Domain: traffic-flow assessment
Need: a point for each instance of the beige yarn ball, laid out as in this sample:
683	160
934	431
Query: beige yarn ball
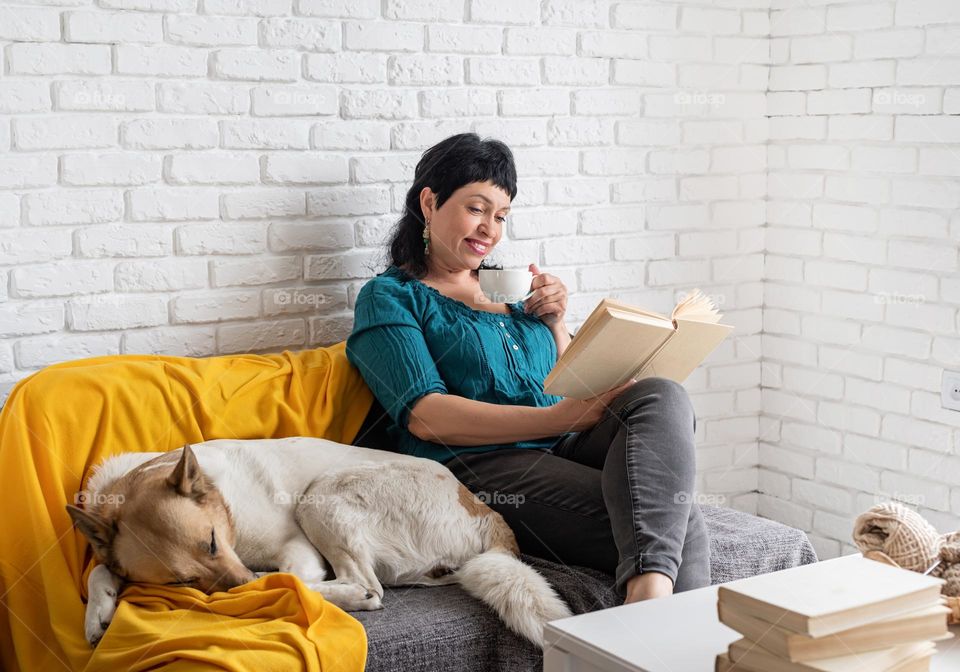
901	533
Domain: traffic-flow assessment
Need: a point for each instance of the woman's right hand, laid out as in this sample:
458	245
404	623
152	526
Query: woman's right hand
577	415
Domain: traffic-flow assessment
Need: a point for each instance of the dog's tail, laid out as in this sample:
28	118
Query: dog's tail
517	592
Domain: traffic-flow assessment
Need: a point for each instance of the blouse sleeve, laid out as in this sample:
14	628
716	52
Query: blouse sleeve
388	347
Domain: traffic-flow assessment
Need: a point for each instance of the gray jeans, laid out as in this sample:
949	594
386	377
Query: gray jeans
617	497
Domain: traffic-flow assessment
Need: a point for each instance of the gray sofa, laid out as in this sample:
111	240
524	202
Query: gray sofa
444	629
441	629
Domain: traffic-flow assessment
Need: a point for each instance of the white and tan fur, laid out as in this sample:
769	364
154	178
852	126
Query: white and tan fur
294	505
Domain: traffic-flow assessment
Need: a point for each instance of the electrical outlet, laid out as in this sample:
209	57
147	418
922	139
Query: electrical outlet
950	390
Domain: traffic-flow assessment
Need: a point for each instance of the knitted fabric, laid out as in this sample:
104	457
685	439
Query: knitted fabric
949	568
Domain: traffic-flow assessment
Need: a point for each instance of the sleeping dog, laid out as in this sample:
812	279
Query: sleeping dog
212	515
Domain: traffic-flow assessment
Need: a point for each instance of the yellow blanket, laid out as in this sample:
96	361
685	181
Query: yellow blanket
61	421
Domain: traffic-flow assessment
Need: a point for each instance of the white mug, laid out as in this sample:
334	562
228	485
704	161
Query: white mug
505	286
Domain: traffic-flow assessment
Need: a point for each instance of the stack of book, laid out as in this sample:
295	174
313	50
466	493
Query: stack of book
856	615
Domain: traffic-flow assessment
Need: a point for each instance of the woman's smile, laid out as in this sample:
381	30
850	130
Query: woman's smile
476	246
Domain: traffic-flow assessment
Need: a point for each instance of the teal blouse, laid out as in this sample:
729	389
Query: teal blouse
408	340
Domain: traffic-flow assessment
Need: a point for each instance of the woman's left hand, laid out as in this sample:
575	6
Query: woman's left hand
549	299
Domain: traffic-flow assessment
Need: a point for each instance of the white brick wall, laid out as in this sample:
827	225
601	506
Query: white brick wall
864	275
216	177
205	178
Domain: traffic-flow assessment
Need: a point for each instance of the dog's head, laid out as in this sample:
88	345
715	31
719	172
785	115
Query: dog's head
166	526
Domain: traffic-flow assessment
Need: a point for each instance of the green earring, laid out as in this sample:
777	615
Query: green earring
426	239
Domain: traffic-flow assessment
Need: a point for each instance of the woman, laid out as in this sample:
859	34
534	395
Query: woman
603	483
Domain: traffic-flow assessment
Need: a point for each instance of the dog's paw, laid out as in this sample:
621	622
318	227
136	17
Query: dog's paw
358	598
348	596
95	635
97	620
371	600
104	588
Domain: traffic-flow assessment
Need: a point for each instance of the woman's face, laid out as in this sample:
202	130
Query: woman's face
467	226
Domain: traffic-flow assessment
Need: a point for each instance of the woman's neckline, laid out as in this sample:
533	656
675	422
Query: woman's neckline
457	303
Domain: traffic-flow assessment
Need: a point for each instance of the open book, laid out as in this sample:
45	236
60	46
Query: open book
619	341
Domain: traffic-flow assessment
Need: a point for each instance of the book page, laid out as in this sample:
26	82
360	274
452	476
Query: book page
616	348
642	318
620	305
696	306
686	350
619	341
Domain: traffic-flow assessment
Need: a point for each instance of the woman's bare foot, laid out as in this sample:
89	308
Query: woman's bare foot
648	586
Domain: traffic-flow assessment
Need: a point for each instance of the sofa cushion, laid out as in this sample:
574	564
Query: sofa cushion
437	629
61	421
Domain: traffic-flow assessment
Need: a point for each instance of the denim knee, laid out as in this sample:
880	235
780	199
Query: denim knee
664	389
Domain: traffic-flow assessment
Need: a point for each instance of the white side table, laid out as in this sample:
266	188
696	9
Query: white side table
679	633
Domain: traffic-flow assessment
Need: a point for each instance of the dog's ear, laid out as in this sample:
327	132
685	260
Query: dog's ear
98	531
187	479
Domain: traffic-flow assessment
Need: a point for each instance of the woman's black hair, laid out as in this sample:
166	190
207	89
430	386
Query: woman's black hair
448	165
